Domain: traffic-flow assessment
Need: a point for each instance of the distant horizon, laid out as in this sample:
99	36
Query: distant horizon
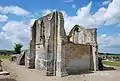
110	53
26	49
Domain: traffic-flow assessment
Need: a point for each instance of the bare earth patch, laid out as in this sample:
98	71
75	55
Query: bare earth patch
21	73
6	78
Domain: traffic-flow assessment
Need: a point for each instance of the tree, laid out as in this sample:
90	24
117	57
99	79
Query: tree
17	48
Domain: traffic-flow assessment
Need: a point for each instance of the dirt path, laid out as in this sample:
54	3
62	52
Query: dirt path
21	73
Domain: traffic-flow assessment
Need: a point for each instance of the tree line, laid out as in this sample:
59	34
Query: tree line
17	50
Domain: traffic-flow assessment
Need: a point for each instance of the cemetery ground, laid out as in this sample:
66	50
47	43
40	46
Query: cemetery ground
21	73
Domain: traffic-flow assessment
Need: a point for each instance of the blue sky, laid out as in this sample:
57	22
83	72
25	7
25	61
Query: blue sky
16	17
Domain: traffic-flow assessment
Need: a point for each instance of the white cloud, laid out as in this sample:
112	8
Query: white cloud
15	31
83	17
68	1
112	13
73	6
14	10
106	2
104	16
3	18
107	42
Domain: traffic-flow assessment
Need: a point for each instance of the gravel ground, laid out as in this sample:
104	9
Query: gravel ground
6	78
21	73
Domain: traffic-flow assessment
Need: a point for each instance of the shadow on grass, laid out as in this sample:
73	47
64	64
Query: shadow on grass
106	68
6	79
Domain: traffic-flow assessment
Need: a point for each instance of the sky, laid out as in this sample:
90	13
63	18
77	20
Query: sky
17	16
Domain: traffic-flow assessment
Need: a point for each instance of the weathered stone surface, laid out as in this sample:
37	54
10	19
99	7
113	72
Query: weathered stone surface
21	58
4	73
77	57
80	35
14	57
55	53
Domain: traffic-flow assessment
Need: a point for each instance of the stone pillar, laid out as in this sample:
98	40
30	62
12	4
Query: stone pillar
92	39
60	65
94	58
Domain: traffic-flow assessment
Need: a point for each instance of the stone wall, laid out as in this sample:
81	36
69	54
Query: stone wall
91	38
50	34
80	35
44	35
77	57
55	53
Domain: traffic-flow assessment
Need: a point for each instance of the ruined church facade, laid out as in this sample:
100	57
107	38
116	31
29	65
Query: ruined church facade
58	54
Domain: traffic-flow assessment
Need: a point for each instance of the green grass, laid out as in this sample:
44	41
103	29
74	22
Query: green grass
5	56
112	63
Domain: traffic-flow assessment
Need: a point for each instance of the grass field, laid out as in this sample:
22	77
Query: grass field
5	56
112	63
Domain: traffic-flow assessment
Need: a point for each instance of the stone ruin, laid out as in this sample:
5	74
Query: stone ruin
58	54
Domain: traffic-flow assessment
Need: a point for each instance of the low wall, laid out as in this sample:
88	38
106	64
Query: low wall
77	57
